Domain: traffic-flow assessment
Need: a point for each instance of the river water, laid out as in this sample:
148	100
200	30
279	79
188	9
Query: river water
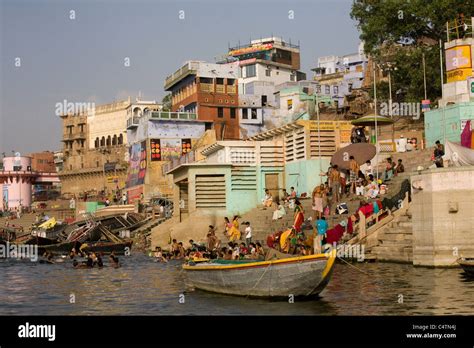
144	287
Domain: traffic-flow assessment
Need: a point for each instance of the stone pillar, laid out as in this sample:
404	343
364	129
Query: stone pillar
443	216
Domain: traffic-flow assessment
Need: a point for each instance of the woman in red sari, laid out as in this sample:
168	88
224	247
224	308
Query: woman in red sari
299	216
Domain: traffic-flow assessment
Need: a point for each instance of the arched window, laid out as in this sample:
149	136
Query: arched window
137	111
97	142
120	139
102	141
109	140
114	140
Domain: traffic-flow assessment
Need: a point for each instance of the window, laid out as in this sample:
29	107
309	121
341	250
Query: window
109	141
97	142
102	141
219	81
220	112
250	71
230	82
336	89
120	139
245	114
232	113
318	89
268	72
254	114
292	77
327	89
264	100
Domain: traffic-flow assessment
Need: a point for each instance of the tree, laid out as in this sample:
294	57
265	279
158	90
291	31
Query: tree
166	101
408	29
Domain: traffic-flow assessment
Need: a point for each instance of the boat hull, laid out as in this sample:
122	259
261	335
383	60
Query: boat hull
467	266
299	277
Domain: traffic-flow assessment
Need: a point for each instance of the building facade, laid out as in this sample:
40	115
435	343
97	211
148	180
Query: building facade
338	76
155	139
263	64
210	91
95	152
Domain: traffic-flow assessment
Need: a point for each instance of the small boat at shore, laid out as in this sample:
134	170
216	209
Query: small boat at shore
467	265
302	276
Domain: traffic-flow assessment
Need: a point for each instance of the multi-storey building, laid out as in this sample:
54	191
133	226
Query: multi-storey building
339	75
95	153
155	139
263	64
210	91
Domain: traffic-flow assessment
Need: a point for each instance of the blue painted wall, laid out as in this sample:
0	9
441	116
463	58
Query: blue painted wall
304	175
453	114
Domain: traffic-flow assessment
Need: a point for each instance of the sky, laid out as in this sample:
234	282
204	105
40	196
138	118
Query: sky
52	50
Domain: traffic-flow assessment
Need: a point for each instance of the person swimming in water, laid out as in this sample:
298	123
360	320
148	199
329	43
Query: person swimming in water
114	261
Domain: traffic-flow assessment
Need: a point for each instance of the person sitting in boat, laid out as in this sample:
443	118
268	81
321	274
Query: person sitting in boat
229	255
259	251
234	233
90	261
267	200
243	250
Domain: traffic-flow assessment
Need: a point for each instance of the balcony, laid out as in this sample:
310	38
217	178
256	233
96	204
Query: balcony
188	69
168	115
220	89
80	135
132	122
231	89
206	87
68	136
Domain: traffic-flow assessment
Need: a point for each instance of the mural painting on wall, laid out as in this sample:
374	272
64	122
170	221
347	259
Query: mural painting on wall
155	146
186	145
137	167
170	149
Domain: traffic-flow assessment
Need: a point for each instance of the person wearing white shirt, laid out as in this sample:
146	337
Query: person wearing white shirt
248	233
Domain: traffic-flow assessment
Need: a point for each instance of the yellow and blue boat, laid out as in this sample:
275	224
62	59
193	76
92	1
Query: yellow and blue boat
302	276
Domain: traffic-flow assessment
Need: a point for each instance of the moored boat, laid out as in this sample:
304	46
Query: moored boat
295	276
467	265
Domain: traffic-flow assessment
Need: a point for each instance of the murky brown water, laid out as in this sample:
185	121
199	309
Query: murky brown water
143	287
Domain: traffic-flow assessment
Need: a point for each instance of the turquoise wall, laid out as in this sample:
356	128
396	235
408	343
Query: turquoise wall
304	175
453	114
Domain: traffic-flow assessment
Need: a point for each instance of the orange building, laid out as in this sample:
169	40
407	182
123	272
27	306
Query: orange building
211	91
43	162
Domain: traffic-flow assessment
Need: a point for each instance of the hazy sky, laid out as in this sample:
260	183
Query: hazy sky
82	59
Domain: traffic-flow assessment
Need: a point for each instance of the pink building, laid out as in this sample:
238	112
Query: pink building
17	179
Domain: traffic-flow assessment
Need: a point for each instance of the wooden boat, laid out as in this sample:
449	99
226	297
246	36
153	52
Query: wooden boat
297	276
467	265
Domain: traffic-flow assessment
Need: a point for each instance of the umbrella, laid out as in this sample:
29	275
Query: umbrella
362	153
369	120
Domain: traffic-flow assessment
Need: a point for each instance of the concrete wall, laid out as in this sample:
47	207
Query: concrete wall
443	216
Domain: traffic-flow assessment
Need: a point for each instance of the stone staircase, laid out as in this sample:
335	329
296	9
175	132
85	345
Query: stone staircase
396	244
25	221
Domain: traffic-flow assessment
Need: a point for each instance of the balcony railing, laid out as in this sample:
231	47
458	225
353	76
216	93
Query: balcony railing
132	122
206	87
220	89
168	115
188	68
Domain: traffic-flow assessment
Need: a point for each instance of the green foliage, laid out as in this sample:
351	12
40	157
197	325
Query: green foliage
166	101
400	32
